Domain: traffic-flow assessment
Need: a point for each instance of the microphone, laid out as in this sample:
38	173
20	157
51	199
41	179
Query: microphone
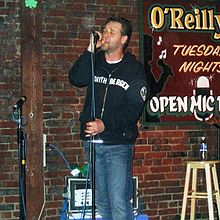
202	88
19	103
165	67
95	36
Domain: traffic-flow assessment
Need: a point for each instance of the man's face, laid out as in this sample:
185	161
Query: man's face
112	38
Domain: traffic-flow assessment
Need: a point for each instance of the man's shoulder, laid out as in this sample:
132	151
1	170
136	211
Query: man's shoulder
130	58
132	64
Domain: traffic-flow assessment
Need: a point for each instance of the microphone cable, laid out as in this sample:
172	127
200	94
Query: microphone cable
60	153
83	214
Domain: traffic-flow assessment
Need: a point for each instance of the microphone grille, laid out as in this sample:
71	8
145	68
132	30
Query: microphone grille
202	82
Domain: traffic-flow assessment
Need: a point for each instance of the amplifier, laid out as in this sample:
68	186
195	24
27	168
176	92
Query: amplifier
79	194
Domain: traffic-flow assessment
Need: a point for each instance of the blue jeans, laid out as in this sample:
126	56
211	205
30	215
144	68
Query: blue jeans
113	183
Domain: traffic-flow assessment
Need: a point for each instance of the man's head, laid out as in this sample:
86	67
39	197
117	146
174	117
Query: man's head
126	27
117	32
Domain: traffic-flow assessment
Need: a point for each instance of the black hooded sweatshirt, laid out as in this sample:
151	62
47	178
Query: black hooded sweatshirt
120	92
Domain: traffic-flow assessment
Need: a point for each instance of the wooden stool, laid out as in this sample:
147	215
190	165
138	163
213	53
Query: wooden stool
211	179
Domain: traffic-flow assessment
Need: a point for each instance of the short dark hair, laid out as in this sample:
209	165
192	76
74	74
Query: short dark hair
126	27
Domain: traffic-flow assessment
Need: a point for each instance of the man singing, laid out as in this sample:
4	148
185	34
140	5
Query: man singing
120	91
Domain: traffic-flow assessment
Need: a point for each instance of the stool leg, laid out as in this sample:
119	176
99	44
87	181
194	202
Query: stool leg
193	200
186	190
216	187
209	191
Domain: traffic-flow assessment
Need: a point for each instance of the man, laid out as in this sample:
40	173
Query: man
120	93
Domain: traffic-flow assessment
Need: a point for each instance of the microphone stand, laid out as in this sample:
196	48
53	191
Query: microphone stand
92	162
22	166
92	140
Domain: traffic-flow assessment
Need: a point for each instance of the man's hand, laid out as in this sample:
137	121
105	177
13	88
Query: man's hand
99	42
94	127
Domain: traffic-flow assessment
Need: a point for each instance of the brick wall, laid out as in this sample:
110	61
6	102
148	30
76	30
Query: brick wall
9	90
161	152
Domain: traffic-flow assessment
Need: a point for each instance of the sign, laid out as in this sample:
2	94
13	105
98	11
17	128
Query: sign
181	54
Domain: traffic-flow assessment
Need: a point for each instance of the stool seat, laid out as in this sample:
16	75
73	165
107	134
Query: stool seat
212	187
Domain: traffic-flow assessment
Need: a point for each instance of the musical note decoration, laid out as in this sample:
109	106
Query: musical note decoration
159	42
31	4
163	54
